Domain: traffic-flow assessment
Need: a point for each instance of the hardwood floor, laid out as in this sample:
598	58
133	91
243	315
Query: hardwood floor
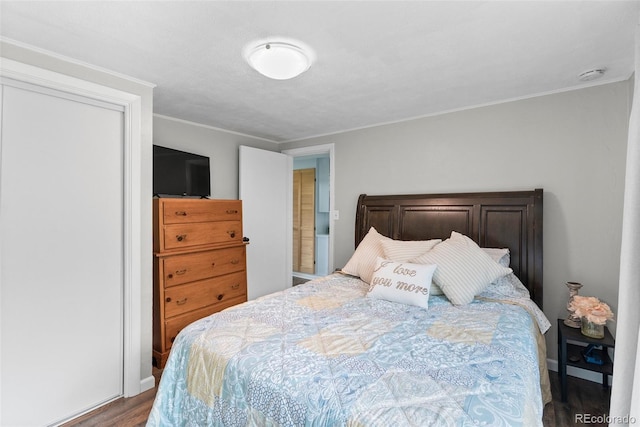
124	412
585	397
299	280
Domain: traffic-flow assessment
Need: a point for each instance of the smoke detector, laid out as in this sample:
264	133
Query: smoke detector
589	75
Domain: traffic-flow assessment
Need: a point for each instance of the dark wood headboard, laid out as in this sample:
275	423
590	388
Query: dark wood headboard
510	219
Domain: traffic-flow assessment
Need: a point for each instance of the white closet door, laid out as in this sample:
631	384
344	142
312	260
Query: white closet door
61	265
265	190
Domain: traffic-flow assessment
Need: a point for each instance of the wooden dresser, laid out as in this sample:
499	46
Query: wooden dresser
199	264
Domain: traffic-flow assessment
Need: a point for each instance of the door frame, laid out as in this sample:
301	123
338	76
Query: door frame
328	149
132	168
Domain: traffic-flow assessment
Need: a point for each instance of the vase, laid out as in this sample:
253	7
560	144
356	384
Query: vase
591	330
572	320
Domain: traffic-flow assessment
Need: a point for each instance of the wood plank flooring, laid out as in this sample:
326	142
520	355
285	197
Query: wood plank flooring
298	280
124	412
585	397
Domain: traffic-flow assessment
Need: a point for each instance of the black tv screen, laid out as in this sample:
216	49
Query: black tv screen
178	173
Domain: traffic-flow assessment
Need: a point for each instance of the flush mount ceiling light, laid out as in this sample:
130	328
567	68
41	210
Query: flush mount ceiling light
280	60
588	75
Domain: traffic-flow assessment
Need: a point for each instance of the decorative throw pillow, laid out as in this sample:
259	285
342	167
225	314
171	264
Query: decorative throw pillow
464	269
363	260
501	256
401	282
404	250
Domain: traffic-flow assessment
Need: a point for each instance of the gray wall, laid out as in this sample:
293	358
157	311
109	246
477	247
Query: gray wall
221	147
571	144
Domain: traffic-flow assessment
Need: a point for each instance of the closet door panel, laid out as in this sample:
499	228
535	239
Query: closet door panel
296	219
61	271
304	226
307	221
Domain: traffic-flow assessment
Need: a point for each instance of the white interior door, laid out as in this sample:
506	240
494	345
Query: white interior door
265	190
61	259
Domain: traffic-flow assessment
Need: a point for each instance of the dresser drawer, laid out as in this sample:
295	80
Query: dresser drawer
195	295
190	211
176	324
207	233
187	268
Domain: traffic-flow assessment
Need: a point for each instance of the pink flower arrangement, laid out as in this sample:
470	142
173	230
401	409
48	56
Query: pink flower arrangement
591	308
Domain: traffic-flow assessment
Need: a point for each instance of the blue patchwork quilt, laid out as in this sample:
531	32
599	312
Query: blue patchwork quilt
322	354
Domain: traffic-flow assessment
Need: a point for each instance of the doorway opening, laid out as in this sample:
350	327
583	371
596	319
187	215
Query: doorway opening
312	196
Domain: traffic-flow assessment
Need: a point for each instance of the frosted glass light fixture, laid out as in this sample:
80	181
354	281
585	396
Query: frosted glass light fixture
279	60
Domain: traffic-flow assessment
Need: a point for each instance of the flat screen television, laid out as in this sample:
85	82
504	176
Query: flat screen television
178	173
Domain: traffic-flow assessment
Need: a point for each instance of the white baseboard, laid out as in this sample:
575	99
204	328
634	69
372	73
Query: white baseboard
147	383
584	374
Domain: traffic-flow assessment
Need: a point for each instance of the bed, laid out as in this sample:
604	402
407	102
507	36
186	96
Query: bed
331	353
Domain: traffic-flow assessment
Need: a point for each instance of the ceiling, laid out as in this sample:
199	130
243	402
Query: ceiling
377	62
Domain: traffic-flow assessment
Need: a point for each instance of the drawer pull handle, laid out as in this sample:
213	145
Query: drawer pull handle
181	213
181	237
220	297
236	286
181	272
213	264
235	261
168	299
232	211
181	301
232	233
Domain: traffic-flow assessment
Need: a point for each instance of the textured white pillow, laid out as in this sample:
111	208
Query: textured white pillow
404	250
363	260
464	269
401	282
501	256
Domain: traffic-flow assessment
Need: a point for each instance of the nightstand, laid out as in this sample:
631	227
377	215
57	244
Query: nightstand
571	354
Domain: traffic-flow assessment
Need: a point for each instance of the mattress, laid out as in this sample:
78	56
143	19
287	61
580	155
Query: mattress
323	354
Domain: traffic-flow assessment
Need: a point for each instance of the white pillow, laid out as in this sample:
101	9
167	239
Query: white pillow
404	250
501	256
363	260
464	269
401	282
